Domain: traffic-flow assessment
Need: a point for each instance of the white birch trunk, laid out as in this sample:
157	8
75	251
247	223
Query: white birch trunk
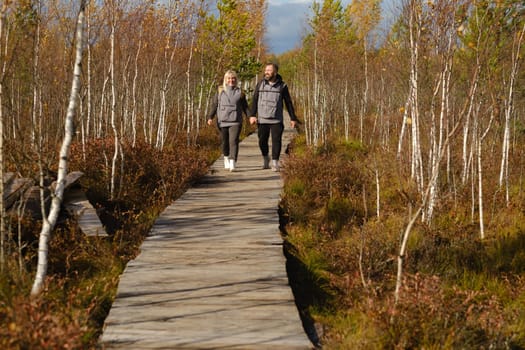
306	108
316	99
466	132
432	157
189	99
36	81
437	143
100	121
416	159
50	222
404	123
403	249
89	96
2	209
378	195
480	193
504	169
161	127
346	112
480	178
473	193
149	105
362	112
134	92
113	104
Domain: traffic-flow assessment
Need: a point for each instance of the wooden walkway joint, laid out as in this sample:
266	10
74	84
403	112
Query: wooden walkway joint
211	274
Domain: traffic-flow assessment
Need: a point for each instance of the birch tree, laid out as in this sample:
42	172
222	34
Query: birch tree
331	37
3	39
445	24
414	216
169	54
49	222
365	15
414	27
509	103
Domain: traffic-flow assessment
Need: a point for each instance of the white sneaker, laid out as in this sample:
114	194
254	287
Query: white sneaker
275	165
226	162
232	164
266	162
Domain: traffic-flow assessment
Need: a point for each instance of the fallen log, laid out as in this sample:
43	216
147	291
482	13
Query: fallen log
22	197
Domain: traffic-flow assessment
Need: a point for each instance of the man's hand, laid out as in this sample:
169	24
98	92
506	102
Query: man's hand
293	123
253	120
210	121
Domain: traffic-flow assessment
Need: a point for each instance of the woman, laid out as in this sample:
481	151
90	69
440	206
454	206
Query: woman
229	104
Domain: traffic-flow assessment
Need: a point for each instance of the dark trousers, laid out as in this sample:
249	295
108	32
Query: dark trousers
230	140
264	131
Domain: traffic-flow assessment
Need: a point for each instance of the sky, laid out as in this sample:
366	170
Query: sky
287	22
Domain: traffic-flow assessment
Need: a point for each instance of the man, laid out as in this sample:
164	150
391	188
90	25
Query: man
267	111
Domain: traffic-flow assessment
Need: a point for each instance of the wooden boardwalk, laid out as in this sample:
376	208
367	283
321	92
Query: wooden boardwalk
212	274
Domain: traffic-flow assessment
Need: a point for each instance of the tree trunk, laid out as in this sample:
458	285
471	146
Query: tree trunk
2	209
134	90
113	102
480	178
416	159
49	223
504	169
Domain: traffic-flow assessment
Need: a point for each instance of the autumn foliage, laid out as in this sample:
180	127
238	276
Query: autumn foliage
403	194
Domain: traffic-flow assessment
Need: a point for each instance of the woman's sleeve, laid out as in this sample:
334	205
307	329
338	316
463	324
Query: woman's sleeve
213	107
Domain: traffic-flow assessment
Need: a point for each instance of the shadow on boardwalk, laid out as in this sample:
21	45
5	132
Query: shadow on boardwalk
212	274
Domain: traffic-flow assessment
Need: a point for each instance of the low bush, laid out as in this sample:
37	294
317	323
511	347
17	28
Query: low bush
83	271
347	213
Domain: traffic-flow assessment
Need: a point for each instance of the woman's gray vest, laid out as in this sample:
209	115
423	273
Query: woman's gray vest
229	109
270	103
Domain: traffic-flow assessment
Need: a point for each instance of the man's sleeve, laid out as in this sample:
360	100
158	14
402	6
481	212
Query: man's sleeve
289	105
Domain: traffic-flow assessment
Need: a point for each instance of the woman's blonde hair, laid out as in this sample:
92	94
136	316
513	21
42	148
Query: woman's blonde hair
229	73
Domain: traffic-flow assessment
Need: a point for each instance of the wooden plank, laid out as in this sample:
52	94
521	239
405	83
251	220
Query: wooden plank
75	202
71	179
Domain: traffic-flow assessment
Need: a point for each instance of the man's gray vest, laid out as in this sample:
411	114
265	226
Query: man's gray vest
270	103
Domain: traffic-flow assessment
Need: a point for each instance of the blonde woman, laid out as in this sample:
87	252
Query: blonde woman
228	105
